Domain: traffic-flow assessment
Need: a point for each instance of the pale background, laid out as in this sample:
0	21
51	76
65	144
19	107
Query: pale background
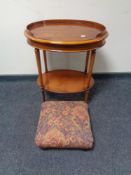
16	57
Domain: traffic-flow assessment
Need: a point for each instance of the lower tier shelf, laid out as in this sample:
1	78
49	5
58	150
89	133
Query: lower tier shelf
65	81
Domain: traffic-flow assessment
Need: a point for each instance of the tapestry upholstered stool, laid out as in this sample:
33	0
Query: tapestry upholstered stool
65	124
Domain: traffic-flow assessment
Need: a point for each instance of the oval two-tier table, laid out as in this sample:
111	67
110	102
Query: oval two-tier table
65	35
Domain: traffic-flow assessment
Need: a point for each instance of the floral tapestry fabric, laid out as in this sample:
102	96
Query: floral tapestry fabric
64	124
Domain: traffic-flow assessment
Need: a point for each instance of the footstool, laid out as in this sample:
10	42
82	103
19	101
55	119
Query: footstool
64	124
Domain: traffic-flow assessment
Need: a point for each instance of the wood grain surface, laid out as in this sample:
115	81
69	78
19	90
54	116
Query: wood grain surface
65	31
65	81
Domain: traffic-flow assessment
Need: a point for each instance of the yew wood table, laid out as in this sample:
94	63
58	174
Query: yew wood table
64	35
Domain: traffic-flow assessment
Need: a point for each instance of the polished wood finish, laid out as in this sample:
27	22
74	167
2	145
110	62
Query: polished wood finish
66	32
66	35
45	61
65	81
66	48
92	59
87	60
37	54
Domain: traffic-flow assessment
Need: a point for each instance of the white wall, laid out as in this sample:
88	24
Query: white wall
16	57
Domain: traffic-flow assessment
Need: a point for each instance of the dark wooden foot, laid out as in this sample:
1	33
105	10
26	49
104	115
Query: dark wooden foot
86	96
43	94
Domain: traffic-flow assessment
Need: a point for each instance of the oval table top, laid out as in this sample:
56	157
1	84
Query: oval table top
66	35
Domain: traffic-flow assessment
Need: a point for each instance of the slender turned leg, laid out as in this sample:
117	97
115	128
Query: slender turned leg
45	60
37	54
92	59
87	61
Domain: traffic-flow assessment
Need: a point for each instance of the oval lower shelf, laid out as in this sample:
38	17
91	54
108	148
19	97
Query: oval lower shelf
65	81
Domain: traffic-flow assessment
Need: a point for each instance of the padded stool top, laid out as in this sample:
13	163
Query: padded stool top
64	124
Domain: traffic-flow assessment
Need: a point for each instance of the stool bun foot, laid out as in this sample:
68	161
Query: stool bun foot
86	97
43	94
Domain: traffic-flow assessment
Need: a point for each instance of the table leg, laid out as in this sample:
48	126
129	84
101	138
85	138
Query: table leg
87	61
38	60
90	67
45	61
